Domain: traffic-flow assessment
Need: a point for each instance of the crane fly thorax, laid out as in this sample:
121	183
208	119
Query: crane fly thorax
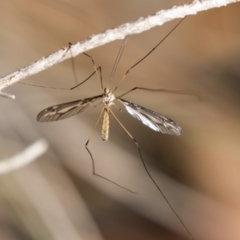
108	97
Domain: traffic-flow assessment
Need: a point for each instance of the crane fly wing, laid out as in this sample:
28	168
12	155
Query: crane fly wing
65	110
153	120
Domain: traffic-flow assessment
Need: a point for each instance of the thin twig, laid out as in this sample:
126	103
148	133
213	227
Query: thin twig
140	25
25	157
7	95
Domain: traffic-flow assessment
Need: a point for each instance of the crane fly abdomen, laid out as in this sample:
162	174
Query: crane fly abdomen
105	125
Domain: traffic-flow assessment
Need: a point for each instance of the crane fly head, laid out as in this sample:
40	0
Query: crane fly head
108	97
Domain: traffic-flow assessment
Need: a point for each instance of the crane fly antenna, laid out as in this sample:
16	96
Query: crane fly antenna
134	65
93	162
119	55
150	176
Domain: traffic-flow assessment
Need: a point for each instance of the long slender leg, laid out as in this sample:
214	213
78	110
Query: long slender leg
93	163
150	176
119	55
127	72
98	69
181	92
67	89
74	69
95	68
95	71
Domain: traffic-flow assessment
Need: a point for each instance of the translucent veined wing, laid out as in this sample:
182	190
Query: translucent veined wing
65	110
153	120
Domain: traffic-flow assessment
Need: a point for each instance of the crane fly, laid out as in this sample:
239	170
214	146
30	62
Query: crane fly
150	118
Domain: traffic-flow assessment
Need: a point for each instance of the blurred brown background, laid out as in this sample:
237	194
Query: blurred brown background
57	197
